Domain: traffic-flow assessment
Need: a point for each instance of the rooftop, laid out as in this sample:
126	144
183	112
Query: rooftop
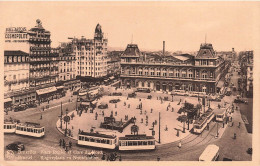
136	137
15	53
97	135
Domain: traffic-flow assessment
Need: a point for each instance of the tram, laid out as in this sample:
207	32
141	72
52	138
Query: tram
221	114
210	115
9	126
97	140
136	142
30	129
200	124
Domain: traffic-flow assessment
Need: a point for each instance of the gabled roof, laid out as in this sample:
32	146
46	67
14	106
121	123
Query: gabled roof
15	53
206	51
131	50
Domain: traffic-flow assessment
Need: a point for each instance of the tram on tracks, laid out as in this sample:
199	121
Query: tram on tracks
30	129
9	126
201	123
126	143
97	140
221	114
136	142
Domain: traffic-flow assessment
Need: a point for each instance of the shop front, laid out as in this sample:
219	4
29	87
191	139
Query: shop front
46	94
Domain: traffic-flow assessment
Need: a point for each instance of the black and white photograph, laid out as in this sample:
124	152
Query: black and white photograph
129	81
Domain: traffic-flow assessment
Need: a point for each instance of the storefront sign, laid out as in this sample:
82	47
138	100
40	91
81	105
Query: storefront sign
16	34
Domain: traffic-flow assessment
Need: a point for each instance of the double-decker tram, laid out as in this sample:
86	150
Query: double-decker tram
200	124
97	140
30	129
136	142
221	114
9	126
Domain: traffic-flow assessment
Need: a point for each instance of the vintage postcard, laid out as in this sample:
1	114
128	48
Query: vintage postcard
129	81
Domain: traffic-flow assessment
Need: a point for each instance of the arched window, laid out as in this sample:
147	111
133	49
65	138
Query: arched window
190	73
204	74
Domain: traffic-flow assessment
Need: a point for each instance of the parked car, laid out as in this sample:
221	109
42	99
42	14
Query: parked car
132	95
180	93
103	106
117	94
240	100
20	107
32	105
114	101
16	146
149	97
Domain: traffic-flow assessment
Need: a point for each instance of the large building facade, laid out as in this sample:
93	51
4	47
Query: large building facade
43	64
201	73
91	55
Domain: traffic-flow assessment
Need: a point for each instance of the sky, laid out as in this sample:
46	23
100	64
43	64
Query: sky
182	25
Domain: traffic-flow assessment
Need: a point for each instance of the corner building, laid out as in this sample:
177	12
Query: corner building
91	55
200	73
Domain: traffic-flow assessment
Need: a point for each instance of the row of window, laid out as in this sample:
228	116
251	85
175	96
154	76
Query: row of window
10	59
136	143
9	126
97	140
30	129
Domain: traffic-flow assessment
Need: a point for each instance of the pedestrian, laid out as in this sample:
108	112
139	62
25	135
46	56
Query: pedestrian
64	144
166	128
158	158
70	144
41	116
235	135
151	110
120	158
116	113
60	142
172	109
179	144
238	125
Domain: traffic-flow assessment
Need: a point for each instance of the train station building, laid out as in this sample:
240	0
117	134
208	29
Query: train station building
203	72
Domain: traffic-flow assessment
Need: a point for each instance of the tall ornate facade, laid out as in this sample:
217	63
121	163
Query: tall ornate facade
91	55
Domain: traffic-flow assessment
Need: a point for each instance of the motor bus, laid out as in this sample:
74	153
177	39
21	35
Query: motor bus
136	142
211	153
30	129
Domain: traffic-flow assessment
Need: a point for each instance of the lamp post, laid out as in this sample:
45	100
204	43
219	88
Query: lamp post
61	115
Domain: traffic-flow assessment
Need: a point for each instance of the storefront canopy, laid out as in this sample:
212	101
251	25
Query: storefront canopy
7	100
46	90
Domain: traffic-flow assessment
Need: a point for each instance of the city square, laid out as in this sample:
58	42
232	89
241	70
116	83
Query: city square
100	97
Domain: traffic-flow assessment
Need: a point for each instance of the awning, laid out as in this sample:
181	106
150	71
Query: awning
46	90
60	87
220	84
7	100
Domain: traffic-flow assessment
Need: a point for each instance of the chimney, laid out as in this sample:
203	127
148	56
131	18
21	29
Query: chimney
163	48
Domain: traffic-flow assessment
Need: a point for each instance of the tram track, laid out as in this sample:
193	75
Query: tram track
173	150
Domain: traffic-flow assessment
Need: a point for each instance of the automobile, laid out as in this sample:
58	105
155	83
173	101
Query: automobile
103	106
20	107
132	95
240	100
117	94
15	146
149	97
144	90
114	101
31	105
